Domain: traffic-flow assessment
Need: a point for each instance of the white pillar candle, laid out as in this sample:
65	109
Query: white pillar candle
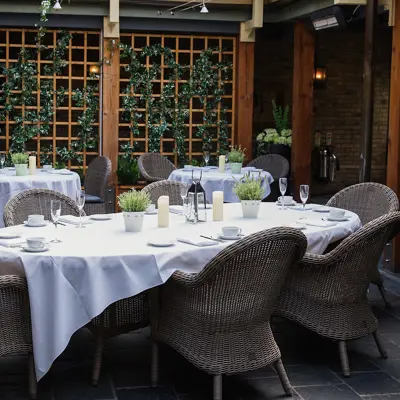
163	211
221	163
218	206
32	165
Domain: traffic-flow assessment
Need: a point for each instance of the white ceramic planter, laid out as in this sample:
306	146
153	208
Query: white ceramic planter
236	168
250	208
21	169
133	221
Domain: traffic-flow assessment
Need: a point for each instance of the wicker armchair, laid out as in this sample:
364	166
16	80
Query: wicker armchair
368	201
165	188
36	201
328	293
219	319
96	180
155	167
15	326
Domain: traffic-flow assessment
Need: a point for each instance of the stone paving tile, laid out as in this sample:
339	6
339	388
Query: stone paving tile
382	397
373	383
147	394
328	392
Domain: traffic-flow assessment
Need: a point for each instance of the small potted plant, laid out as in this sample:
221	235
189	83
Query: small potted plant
133	205
236	157
20	161
250	193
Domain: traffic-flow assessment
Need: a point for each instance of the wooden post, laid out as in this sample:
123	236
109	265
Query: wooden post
393	159
245	94
303	94
111	104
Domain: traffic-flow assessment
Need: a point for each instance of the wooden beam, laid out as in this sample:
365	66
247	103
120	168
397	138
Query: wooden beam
113	14
245	94
111	104
393	153
303	98
247	28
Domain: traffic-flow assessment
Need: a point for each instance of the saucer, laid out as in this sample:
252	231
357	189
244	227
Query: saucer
35	225
32	250
322	209
223	237
341	219
151	213
300	227
292	204
100	217
9	235
161	243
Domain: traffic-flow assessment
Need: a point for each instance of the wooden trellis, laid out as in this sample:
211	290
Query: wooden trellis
83	52
186	48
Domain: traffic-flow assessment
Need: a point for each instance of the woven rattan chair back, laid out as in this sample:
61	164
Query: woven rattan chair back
155	167
97	176
275	164
36	201
368	200
165	188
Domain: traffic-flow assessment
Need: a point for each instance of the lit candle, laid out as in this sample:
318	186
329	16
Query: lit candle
221	163
163	211
32	165
218	206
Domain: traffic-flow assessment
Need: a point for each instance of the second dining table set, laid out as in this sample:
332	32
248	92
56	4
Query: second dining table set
208	289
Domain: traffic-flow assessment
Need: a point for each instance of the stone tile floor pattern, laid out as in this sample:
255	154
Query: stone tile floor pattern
312	364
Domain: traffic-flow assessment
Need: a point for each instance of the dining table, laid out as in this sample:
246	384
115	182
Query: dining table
75	280
64	181
212	180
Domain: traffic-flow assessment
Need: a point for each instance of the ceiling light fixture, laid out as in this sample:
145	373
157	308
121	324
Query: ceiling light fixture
204	9
57	6
189	5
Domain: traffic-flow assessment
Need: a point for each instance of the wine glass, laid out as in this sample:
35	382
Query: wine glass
55	216
304	192
206	157
184	193
282	188
2	160
80	202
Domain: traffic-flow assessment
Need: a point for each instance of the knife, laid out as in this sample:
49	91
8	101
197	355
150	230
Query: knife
211	238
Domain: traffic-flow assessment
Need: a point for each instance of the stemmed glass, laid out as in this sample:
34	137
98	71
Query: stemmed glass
184	193
304	192
206	157
2	160
282	188
80	202
55	216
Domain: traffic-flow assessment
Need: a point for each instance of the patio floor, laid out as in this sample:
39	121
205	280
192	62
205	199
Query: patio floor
312	364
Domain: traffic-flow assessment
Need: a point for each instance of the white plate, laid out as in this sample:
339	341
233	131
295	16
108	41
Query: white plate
342	219
9	235
35	225
300	227
100	217
152	213
32	250
223	237
299	207
161	243
322	209
66	173
292	204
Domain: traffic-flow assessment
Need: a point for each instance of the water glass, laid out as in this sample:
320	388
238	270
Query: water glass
304	193
282	189
206	157
184	193
55	212
80	202
2	160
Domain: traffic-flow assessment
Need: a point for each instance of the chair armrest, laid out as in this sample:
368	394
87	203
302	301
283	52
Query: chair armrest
181	278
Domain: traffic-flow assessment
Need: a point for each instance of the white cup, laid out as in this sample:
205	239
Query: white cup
286	199
47	167
36	242
151	208
336	213
231	231
35	219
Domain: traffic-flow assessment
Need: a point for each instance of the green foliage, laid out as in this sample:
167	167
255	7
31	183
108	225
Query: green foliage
236	155
128	171
249	188
134	201
19	158
281	116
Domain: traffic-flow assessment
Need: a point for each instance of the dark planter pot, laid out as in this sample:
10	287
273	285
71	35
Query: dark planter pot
281	149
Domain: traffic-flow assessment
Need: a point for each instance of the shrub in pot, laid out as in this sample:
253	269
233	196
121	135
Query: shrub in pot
133	205
20	161
250	192
236	157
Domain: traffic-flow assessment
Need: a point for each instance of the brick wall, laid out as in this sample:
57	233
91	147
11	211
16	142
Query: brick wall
337	106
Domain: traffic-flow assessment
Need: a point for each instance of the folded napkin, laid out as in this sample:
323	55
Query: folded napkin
197	241
70	219
60	172
12	242
316	222
175	209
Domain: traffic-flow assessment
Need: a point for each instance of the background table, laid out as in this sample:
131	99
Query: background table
213	180
11	185
94	267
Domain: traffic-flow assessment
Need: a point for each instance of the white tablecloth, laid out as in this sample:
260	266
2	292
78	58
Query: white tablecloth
11	185
213	180
93	267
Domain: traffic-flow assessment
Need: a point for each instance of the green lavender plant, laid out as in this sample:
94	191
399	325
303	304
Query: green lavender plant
236	155
249	188
134	201
19	158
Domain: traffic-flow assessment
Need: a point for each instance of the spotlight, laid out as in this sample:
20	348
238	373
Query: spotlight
204	9
94	69
57	6
159	12
172	12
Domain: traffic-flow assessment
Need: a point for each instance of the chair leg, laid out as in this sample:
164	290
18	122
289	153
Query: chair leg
280	370
32	384
379	344
98	359
154	364
344	361
217	390
383	294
